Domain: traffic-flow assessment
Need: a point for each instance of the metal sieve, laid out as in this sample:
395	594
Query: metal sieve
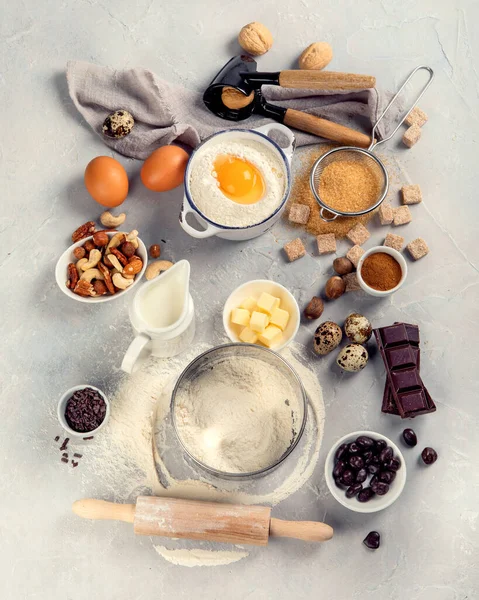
366	157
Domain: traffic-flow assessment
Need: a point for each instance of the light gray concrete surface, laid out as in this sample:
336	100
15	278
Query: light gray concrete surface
430	536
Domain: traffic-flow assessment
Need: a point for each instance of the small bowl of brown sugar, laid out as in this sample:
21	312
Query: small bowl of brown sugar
381	271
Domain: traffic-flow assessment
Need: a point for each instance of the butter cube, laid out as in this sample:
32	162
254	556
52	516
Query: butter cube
249	304
248	336
267	303
259	321
271	336
240	316
280	318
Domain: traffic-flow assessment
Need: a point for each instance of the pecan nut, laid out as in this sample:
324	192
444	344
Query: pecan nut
84	288
83	231
73	276
107	277
120	256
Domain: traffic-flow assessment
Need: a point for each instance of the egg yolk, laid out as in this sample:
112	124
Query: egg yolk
238	179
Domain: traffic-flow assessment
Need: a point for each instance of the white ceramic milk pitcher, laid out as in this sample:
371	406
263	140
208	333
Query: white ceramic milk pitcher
163	316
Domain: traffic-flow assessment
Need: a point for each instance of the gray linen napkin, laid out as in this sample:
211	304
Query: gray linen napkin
165	113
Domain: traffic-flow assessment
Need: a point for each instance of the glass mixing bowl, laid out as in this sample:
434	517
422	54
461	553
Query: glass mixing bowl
207	361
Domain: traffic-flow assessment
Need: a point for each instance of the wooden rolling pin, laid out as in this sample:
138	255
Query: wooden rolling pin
207	521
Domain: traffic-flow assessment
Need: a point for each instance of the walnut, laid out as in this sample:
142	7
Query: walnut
316	56
255	38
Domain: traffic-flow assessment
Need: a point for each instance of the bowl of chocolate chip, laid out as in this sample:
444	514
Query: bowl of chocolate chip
83	410
365	471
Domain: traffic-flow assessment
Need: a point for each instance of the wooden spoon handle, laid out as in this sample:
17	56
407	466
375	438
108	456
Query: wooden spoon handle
326	129
325	80
89	508
308	531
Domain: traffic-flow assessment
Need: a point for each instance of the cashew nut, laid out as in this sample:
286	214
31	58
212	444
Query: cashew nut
120	282
155	268
109	220
132	237
93	259
80	263
115	262
115	241
92	274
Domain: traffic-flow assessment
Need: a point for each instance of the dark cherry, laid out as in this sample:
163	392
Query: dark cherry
353	490
386	454
386	477
393	465
353	448
365	495
338	468
367	457
373	469
347	477
373	483
375	460
365	442
338	483
341	451
410	438
361	476
372	540
429	456
381	488
356	462
379	446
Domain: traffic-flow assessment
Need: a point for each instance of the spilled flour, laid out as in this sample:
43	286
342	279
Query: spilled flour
197	557
138	453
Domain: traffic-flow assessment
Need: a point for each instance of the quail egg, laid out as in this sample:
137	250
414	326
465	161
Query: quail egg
357	328
118	125
353	358
327	337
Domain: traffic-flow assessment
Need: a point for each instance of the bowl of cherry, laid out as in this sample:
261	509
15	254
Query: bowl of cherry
365	471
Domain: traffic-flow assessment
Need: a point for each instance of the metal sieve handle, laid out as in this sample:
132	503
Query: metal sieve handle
393	99
323	211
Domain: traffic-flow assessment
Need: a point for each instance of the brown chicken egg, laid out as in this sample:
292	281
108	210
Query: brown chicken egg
106	181
164	169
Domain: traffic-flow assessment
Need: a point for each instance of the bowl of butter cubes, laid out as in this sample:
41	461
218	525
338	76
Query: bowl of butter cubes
261	312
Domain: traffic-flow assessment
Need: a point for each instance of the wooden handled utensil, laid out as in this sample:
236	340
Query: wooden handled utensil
207	521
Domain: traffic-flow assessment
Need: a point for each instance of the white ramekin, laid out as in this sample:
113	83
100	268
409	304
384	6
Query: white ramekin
62	406
386	250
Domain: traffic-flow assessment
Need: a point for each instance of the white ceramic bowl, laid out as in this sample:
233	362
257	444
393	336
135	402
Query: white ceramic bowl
255	288
392	252
62	406
376	503
67	257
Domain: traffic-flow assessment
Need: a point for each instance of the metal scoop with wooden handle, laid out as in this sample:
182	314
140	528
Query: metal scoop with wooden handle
207	521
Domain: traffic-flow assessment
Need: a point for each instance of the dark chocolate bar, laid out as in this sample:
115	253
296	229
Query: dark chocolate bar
405	392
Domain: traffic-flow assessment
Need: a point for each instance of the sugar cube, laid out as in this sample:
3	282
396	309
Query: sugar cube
259	321
280	318
271	336
394	241
417	248
386	213
267	303
411	194
355	254
240	316
294	249
299	213
326	243
416	117
411	136
402	215
358	234
248	336
249	303
351	281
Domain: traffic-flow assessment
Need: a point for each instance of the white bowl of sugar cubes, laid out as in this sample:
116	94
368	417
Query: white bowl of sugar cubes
261	312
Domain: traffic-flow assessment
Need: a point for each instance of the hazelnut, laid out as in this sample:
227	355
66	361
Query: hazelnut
128	249
314	309
89	246
155	251
335	287
343	266
99	287
79	253
316	56
255	38
100	238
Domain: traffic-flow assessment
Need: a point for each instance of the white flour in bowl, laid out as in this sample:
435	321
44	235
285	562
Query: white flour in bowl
239	416
207	196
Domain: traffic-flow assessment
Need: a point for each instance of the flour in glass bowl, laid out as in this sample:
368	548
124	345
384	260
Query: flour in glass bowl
238	417
206	195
